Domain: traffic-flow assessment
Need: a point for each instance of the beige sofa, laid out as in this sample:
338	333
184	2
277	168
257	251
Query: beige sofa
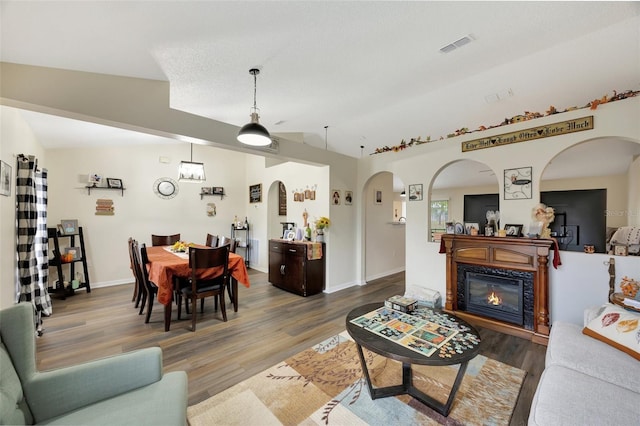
586	381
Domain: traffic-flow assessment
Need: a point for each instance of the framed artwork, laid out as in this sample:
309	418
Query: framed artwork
517	183
348	198
513	230
255	193
282	199
335	197
95	179
620	250
69	226
217	190
114	183
5	179
450	228
377	196
468	226
289	235
415	192
206	190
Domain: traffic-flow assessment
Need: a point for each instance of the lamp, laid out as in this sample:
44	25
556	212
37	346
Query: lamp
254	133
188	171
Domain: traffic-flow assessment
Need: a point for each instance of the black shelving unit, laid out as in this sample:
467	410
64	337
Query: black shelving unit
56	261
241	235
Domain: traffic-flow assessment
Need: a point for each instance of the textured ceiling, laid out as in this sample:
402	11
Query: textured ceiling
370	71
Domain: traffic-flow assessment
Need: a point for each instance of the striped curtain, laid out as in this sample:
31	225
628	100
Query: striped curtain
32	244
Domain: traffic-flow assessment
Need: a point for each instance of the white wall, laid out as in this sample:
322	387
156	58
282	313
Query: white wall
16	138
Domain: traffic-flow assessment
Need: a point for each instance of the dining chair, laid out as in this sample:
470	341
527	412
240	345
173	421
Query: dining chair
204	258
164	240
151	289
212	240
224	241
138	290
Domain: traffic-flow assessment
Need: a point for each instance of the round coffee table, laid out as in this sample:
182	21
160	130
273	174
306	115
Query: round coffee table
459	349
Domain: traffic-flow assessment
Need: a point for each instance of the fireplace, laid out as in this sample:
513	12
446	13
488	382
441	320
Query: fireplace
495	297
514	269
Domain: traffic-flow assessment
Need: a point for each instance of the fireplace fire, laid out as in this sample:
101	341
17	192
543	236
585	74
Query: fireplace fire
494	299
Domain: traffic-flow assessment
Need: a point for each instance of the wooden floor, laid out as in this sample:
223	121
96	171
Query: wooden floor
269	326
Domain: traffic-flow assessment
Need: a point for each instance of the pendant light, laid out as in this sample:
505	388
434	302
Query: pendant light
254	133
188	171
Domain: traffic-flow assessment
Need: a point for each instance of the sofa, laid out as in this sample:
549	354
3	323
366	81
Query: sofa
590	379
126	389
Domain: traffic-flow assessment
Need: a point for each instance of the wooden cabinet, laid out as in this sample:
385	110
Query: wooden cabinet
59	263
290	268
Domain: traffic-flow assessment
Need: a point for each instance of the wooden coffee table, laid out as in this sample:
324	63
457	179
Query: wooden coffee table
463	347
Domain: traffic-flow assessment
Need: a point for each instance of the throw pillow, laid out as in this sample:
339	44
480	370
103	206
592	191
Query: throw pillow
617	327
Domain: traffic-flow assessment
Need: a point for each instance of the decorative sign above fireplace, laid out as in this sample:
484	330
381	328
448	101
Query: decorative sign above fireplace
555	129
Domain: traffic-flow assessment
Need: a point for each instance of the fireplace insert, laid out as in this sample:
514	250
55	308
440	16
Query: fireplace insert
495	297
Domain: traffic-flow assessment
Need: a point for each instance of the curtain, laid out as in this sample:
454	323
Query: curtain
32	242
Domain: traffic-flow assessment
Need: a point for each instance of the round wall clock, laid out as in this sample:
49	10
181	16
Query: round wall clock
165	188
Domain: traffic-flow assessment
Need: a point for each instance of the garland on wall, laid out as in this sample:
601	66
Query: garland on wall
515	119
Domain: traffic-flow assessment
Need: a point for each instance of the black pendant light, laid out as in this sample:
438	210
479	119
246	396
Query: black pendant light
254	133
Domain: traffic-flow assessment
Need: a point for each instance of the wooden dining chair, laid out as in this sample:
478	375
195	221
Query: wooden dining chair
212	240
138	291
204	258
151	289
164	240
226	241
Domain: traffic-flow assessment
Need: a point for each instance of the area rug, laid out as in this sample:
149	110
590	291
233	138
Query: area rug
324	385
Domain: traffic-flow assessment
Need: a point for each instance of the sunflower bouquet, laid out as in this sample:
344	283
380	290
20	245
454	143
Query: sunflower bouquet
322	223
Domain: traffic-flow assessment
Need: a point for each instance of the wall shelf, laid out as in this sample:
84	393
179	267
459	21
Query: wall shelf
203	194
89	188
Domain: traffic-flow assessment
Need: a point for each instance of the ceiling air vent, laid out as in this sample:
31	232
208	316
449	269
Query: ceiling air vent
457	44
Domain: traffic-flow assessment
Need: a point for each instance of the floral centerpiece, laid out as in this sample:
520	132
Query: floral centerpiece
321	224
181	247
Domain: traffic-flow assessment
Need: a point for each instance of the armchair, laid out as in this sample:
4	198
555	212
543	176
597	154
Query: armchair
124	389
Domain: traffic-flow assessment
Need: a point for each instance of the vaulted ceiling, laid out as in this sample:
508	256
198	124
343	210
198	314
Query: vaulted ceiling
348	76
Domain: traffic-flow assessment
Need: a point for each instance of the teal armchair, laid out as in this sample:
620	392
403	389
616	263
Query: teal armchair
126	389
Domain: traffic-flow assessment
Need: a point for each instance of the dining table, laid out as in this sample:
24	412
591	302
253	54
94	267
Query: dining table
165	265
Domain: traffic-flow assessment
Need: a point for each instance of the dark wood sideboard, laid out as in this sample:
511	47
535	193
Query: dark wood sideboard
291	270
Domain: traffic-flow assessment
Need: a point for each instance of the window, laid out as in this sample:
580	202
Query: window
439	217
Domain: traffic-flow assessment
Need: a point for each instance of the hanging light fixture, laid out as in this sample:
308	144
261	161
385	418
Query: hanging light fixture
254	133
188	171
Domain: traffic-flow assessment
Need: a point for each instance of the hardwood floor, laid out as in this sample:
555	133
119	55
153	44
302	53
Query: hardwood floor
270	325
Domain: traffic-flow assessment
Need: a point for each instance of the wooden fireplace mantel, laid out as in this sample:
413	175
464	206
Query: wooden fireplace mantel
519	254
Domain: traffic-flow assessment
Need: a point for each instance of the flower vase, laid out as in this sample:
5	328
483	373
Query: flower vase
319	235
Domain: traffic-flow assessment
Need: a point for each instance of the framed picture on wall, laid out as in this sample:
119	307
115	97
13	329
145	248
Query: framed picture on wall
415	192
255	193
377	196
517	183
335	197
348	198
5	179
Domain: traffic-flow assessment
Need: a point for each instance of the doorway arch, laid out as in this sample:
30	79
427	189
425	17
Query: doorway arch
384	237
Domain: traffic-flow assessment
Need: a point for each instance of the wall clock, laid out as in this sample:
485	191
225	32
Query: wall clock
165	188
